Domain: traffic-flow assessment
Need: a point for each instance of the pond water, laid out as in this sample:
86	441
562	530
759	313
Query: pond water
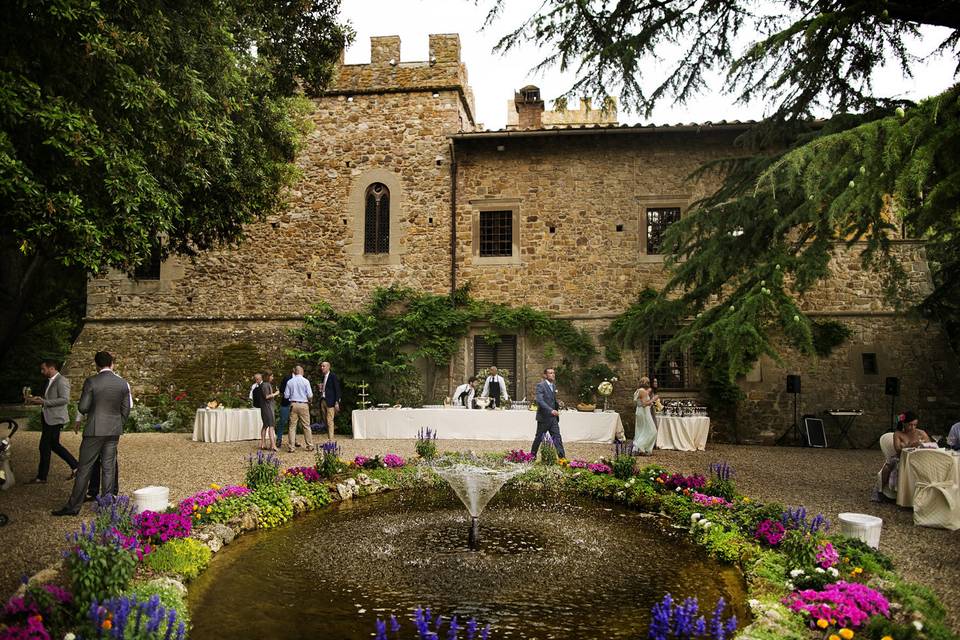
550	566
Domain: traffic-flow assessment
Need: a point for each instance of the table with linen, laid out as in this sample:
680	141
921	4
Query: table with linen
682	433
480	424
226	425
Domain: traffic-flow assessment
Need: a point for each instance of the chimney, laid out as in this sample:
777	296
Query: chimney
529	107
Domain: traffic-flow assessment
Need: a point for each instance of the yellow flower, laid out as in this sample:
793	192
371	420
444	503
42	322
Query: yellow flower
858	570
209	509
197	516
746	500
887	638
195	506
833	636
846	634
822	623
214	486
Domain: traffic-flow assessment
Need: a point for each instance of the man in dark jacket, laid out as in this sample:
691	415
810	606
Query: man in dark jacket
329	396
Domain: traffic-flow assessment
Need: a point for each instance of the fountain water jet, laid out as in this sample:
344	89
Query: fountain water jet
476	486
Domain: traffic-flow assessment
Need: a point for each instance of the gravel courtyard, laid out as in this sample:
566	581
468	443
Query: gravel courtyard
830	481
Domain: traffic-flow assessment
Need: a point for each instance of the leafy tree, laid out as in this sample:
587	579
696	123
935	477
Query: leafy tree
743	258
129	128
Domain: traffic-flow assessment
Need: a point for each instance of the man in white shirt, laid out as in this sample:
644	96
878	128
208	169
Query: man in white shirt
252	396
299	393
463	395
495	388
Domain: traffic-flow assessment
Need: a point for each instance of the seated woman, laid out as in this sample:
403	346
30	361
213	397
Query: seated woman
907	435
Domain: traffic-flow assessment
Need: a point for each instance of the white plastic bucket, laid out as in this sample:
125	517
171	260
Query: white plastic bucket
151	499
862	526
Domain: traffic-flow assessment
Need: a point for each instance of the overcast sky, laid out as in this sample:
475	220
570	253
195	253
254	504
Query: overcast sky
494	78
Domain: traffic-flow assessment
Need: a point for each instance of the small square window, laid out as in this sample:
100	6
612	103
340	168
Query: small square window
496	234
869	361
552	229
658	219
619	228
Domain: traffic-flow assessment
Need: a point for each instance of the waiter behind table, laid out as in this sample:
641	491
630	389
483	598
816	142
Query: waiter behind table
495	388
463	395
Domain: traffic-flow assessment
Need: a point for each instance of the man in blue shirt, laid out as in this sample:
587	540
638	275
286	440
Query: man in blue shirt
299	393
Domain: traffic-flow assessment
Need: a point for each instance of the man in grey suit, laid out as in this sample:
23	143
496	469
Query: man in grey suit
106	401
548	413
53	416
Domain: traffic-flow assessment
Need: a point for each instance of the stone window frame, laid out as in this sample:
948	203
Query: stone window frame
356	214
856	363
470	360
172	268
644	203
495	204
369	192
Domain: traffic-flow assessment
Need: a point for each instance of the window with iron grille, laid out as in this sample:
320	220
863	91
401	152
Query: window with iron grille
674	371
502	355
658	219
376	229
496	234
149	269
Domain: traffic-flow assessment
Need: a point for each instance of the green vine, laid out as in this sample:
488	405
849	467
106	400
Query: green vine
402	334
828	335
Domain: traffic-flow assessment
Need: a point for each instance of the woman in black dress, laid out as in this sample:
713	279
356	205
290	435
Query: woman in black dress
268	436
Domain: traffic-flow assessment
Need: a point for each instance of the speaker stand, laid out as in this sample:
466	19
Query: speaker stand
893	422
794	428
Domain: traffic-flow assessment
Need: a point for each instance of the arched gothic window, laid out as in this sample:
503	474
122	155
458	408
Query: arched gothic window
376	230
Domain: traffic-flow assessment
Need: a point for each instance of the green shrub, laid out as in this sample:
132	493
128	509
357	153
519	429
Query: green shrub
856	553
426	449
170	596
623	467
327	460
721	488
273	502
919	604
725	545
678	507
225	510
768	573
184	557
800	548
316	493
748	514
99	568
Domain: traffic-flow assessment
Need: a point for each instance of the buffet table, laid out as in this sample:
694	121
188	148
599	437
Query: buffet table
226	425
916	464
682	434
478	424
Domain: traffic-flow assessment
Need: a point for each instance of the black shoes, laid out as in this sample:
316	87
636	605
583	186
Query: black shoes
64	512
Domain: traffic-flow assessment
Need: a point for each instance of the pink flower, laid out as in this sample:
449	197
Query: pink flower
393	461
600	468
827	555
710	501
849	603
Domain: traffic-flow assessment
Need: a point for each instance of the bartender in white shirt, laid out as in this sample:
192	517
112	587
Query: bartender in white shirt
495	388
463	395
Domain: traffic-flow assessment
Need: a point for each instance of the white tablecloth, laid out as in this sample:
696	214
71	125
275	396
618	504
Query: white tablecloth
911	468
682	434
476	424
226	425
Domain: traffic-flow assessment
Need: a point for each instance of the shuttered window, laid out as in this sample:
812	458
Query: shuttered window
376	228
502	355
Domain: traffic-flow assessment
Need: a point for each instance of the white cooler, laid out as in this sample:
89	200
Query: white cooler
861	526
151	499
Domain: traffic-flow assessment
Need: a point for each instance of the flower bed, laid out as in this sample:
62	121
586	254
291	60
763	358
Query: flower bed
804	583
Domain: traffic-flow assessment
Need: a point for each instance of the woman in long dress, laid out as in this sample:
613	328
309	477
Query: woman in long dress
645	432
268	437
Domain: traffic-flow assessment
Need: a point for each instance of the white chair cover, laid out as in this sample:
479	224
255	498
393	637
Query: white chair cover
888	450
936	500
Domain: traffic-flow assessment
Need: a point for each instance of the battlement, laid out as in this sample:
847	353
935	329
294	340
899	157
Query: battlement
387	72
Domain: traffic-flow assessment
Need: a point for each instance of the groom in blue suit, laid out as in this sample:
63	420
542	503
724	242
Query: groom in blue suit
548	413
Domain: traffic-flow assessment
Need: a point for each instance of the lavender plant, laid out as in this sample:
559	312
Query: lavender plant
101	562
797	519
672	620
623	461
430	628
262	469
548	451
114	512
328	459
426	443
130	618
721	481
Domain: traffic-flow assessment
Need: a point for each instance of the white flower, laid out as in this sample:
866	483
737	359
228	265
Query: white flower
918	625
833	571
753	602
706	524
796	572
695	516
69	636
789	585
819	570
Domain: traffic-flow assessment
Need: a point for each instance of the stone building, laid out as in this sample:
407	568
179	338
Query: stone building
562	212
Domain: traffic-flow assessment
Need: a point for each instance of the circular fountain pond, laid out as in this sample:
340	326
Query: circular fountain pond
548	566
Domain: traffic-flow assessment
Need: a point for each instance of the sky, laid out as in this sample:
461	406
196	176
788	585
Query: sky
495	77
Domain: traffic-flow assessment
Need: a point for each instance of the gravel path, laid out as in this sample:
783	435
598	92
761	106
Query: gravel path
830	481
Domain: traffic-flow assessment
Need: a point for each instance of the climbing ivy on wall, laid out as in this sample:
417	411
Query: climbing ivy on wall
383	342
